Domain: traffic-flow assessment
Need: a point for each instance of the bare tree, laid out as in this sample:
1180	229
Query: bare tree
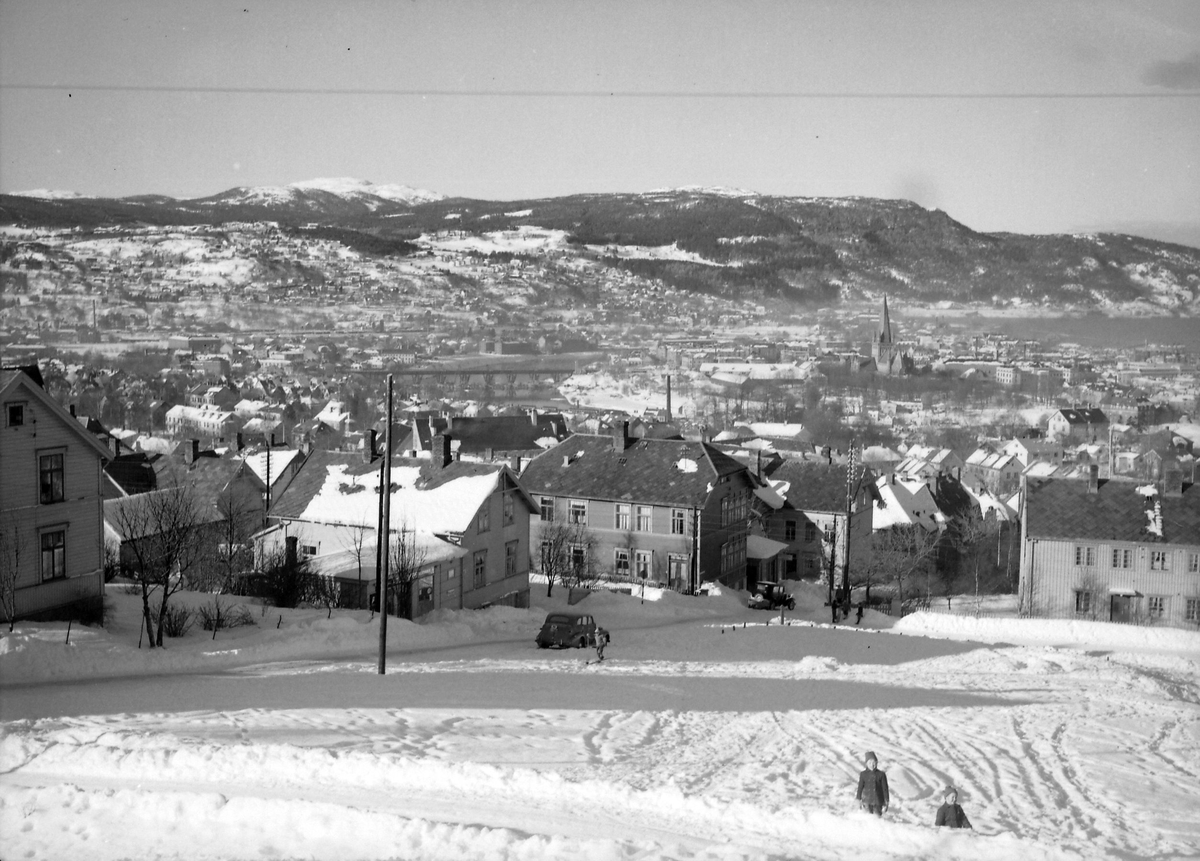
970	535
897	554
164	542
13	543
354	540
240	512
406	559
568	555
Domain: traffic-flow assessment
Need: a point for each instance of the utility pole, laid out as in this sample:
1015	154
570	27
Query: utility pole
385	534
851	490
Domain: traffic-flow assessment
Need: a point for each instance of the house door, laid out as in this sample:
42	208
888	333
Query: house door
1122	608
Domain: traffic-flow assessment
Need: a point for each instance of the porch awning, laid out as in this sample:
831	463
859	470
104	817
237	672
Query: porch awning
758	547
1124	591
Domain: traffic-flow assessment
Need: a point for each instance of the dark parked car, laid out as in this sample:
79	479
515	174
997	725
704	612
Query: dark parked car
568	629
770	596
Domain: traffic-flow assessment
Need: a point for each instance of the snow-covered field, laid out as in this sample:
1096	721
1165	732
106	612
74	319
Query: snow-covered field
710	731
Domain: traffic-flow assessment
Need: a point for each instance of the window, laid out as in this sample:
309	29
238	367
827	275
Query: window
677	567
308	549
1085	555
643	518
480	568
810	564
578	512
622	518
579	559
510	559
508	509
1122	558
483	517
50	466
1193	563
1192	610
16	414
1083	602
425	589
678	521
1156	606
733	555
621	562
54	554
726	511
830	532
1160	560
810	532
789	530
547	508
643	563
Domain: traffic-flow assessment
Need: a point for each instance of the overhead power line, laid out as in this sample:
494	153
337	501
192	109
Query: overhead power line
595	94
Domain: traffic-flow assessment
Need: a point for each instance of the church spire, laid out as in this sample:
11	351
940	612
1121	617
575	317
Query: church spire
885	329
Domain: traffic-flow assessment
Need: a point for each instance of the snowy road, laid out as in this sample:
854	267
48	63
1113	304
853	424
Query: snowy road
701	751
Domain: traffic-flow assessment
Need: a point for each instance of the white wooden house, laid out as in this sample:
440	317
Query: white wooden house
1112	550
51	514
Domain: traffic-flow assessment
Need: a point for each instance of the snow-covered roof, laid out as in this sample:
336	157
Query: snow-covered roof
342	496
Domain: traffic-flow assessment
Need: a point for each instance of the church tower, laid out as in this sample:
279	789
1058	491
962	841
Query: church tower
887	356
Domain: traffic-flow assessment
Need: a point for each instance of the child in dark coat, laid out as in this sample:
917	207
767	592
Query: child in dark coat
872	787
950	814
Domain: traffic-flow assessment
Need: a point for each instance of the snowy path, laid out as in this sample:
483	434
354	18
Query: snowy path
1049	764
714	742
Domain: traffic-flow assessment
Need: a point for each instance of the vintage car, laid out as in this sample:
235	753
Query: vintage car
770	596
566	629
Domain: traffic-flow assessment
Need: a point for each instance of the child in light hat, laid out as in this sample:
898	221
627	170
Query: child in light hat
950	813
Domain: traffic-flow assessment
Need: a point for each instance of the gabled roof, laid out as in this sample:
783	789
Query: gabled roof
654	471
1083	415
1063	508
15	380
340	488
812	485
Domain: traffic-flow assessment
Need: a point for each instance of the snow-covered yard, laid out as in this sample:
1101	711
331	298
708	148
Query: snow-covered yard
710	731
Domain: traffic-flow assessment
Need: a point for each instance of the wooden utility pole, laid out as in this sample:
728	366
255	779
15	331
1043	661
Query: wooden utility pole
385	532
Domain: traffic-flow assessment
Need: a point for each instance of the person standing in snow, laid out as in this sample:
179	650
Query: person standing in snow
601	642
858	616
950	814
872	792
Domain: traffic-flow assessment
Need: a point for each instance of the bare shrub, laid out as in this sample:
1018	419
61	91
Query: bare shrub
176	621
216	615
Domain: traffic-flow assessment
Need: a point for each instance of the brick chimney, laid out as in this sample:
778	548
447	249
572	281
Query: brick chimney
290	553
192	453
241	441
370	444
620	435
440	452
1093	481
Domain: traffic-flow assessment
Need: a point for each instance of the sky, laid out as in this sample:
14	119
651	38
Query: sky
1032	117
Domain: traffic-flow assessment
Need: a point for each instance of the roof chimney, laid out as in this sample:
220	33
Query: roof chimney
1093	485
440	455
758	464
533	417
72	409
241	442
290	553
369	445
620	435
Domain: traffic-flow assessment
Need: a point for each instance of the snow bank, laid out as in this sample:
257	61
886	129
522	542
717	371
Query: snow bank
1052	632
